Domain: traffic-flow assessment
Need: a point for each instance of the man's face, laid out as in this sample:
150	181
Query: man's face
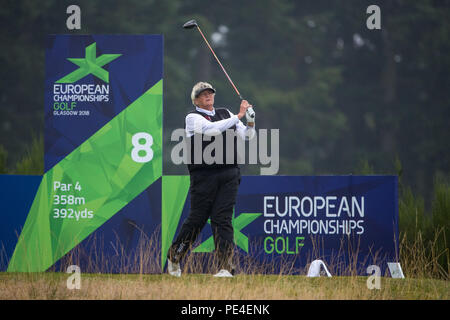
205	99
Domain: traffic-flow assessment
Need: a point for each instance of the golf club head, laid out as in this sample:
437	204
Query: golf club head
190	24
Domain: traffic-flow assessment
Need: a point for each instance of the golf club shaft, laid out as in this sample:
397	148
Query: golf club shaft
229	79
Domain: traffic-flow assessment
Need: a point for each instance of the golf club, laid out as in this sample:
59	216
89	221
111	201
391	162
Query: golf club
191	24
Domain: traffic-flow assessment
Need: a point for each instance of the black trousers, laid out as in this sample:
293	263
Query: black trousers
213	195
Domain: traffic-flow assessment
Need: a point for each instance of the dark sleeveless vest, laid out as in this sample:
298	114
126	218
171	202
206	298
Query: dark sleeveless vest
220	114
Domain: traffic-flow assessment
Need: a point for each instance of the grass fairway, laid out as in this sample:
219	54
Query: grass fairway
201	286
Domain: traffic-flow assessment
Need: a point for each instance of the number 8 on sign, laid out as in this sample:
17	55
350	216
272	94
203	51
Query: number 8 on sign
146	146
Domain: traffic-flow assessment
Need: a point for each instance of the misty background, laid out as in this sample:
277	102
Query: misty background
347	100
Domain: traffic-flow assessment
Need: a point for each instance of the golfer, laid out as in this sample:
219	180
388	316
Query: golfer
213	186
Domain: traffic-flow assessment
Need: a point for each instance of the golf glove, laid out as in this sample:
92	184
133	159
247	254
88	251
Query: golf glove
250	115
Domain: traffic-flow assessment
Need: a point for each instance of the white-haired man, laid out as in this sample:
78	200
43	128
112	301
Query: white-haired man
213	186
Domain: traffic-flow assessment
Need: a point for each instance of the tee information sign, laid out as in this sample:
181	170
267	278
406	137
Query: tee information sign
103	140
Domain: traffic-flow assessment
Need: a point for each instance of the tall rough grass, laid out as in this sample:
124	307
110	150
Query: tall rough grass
424	236
94	255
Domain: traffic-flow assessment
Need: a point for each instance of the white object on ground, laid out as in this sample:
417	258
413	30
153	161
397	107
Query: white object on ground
396	270
315	269
223	274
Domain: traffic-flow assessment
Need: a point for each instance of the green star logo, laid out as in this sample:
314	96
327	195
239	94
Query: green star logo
90	64
240	239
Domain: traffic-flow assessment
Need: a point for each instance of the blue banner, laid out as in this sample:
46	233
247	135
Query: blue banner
282	223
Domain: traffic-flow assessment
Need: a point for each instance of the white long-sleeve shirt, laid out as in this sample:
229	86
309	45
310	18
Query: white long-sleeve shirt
196	123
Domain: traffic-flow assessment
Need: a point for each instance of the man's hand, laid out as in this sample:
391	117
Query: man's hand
243	109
